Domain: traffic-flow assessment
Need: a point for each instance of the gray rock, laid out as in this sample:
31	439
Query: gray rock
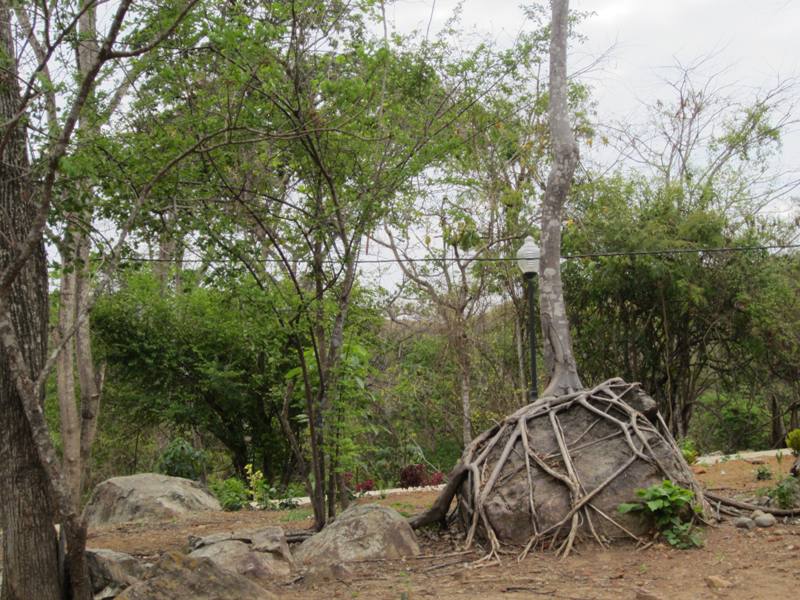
177	576
757	513
147	496
361	532
267	539
111	572
765	520
238	557
744	523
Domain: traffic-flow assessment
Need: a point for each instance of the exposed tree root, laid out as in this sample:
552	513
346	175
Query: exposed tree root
778	512
486	464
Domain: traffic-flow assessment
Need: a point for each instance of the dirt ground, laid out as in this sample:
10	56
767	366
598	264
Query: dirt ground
763	563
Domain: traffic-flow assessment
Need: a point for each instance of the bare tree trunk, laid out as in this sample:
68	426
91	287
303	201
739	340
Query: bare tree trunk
30	554
559	359
466	392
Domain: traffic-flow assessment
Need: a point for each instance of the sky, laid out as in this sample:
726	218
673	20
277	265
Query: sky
755	42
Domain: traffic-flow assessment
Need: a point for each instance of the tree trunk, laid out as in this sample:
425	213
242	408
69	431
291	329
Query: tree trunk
466	392
518	341
30	553
559	358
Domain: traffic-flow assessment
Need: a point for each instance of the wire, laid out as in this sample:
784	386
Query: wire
666	252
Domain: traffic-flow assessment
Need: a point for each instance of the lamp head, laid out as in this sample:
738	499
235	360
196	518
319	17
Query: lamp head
528	257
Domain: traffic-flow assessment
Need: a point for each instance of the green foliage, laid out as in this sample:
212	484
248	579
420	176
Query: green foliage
785	493
793	441
688	450
181	459
730	422
232	493
763	473
670	508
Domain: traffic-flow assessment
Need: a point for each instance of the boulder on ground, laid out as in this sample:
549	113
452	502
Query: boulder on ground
111	572
558	469
177	576
361	532
146	496
260	554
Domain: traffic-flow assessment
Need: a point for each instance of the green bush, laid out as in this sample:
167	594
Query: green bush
786	493
793	441
730	423
671	509
232	493
689	451
181	459
763	473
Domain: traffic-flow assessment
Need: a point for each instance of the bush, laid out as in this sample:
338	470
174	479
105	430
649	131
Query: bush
181	459
413	476
793	441
232	493
786	493
670	507
436	478
763	473
689	451
365	486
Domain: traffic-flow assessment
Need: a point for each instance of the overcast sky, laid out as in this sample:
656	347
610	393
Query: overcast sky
755	40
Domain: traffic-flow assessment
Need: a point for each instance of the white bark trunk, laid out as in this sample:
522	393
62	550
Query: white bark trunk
559	359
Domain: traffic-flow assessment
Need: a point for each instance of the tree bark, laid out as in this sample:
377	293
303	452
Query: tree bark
30	554
558	355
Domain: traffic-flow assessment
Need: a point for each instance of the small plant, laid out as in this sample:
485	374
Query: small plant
689	451
763	473
365	486
413	476
181	459
785	493
232	493
436	478
260	491
671	508
793	441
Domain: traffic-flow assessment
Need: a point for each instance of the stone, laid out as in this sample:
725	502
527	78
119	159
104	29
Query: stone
239	557
266	539
643	594
765	520
177	576
717	583
362	532
763	500
744	523
757	513
111	572
146	496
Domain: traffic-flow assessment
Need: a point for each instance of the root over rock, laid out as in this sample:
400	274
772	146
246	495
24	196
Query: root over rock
556	471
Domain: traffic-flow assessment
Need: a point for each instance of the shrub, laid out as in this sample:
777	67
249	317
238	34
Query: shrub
365	486
670	507
436	478
232	493
786	492
763	473
181	459
793	441
689	451
413	476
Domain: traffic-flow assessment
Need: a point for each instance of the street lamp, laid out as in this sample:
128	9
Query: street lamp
528	261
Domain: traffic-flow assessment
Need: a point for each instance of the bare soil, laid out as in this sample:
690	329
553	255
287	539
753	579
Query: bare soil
763	563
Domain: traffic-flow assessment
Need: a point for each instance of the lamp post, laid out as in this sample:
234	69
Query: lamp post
528	261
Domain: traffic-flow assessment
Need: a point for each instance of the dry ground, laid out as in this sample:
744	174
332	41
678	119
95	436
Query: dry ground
764	563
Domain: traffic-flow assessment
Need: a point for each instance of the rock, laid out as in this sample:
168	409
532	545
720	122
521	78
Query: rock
328	572
111	572
765	520
762	500
507	505
361	532
238	557
177	576
146	496
717	583
757	513
744	523
267	539
643	594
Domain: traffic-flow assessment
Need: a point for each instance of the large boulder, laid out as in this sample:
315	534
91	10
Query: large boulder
177	576
146	496
260	554
111	572
558	469
361	532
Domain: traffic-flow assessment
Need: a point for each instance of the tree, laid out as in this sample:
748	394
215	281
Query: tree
559	358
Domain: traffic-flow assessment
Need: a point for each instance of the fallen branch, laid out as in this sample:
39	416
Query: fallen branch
778	512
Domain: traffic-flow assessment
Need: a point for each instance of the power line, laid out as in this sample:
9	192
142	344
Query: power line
665	252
